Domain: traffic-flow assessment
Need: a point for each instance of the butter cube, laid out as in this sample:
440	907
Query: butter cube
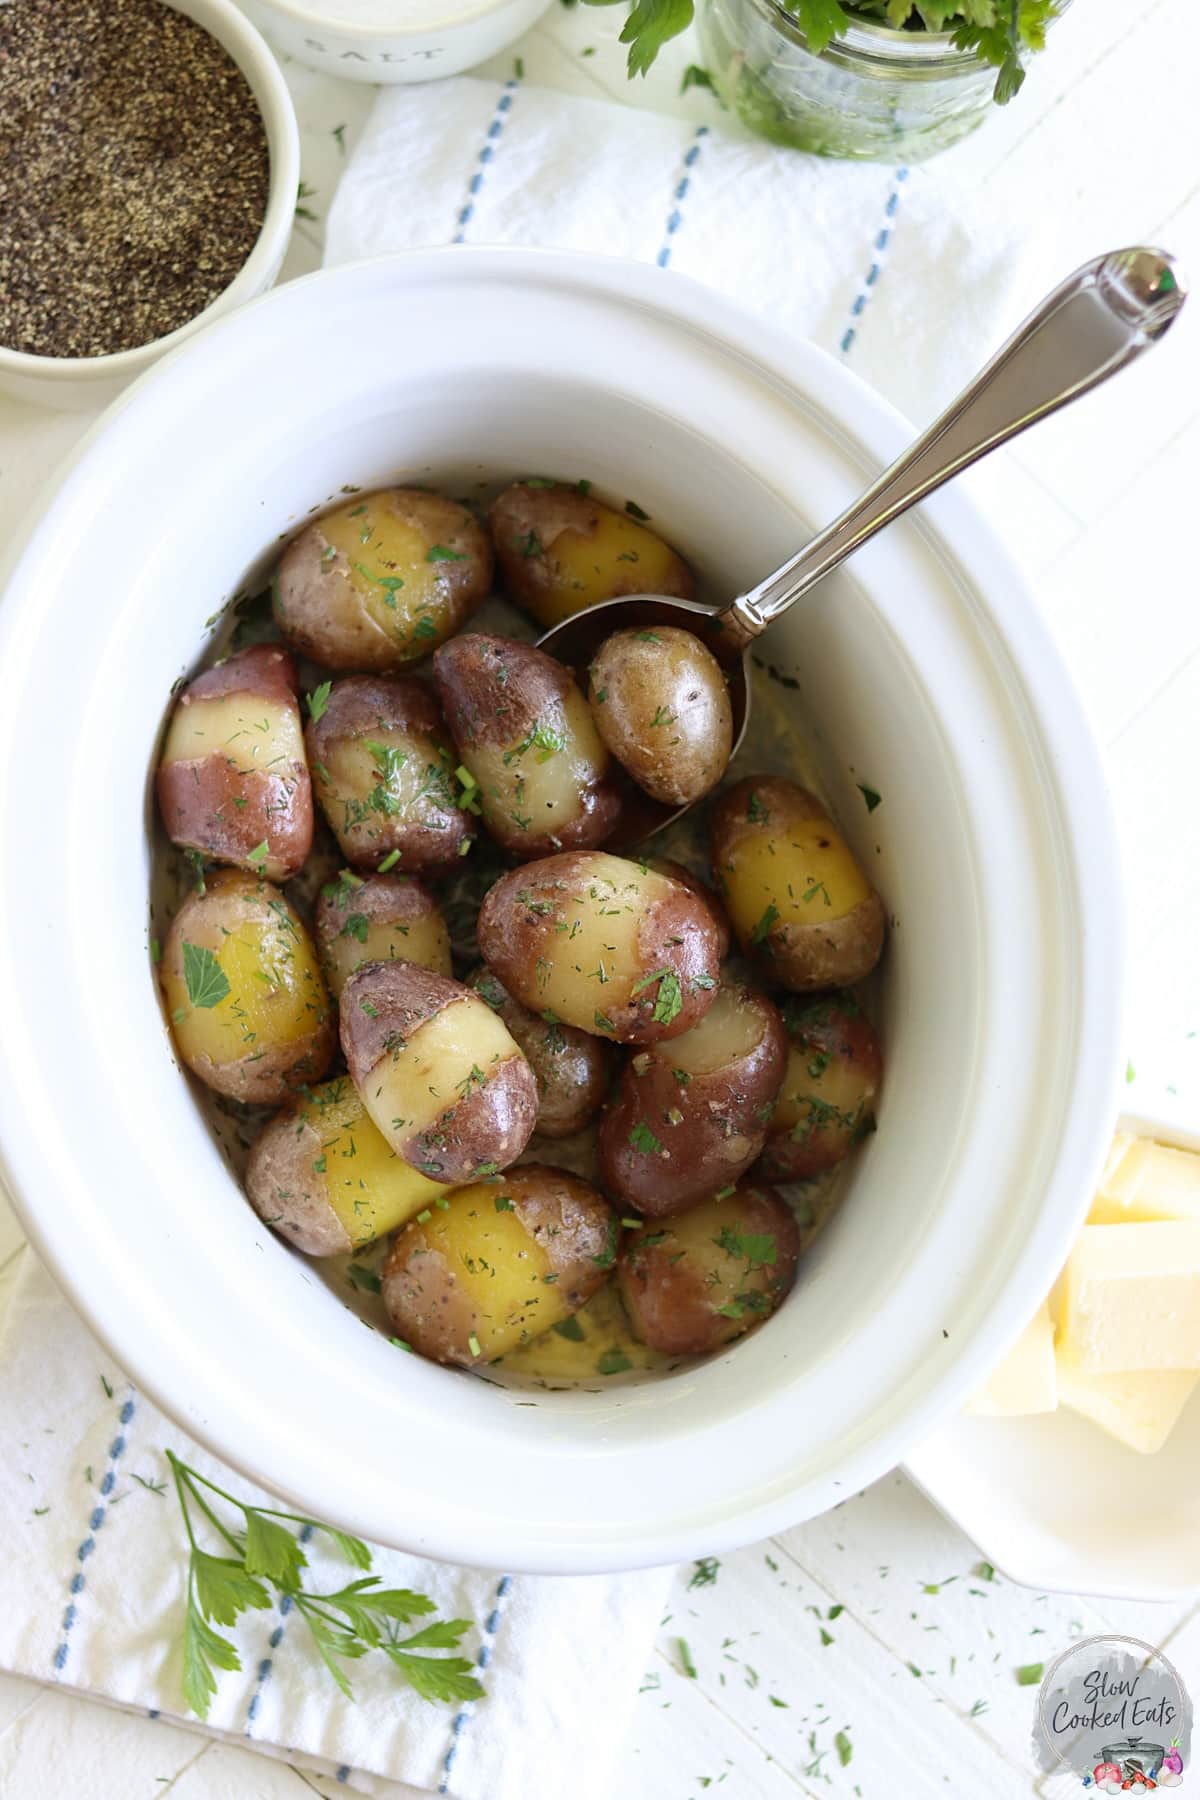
1132	1297
1161	1183
1120	1183
1141	1409
1025	1381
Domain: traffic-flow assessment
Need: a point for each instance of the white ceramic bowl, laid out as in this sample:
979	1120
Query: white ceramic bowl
378	41
78	382
924	672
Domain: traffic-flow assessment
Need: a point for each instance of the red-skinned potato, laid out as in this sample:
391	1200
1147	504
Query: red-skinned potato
712	1274
382	580
384	774
572	1067
437	1071
661	705
321	1175
668	866
800	904
379	918
525	735
499	1264
249	1011
690	1115
825	1104
233	782
560	550
607	945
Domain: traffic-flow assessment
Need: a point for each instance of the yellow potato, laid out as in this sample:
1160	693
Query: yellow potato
324	1177
248	1006
437	1070
499	1264
560	551
542	779
607	945
381	581
661	705
384	918
799	902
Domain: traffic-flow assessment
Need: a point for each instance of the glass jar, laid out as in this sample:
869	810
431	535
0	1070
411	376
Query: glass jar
875	93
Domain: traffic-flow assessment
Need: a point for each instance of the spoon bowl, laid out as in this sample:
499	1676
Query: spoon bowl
1095	322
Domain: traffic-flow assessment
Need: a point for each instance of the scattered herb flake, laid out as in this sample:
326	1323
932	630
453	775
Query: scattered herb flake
206	981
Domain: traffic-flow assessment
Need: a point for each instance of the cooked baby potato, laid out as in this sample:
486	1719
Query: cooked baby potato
572	1067
244	993
833	1074
799	902
233	782
559	551
499	1264
324	1178
668	866
661	705
385	918
691	1115
607	945
381	581
384	774
711	1274
437	1071
526	739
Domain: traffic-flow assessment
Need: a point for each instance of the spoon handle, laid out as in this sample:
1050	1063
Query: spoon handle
1100	318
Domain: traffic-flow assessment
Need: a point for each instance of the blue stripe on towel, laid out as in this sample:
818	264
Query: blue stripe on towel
875	265
680	193
263	1673
95	1523
491	1626
495	131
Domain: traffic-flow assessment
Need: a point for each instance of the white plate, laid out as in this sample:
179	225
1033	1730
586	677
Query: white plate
1059	1505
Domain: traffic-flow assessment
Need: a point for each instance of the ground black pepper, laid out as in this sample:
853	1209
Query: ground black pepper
133	173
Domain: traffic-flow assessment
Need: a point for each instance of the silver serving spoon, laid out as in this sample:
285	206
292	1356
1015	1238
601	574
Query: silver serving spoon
1101	317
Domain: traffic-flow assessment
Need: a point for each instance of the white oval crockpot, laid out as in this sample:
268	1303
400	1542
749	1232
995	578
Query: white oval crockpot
924	672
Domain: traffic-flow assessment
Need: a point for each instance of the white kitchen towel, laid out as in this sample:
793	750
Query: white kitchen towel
92	1594
913	275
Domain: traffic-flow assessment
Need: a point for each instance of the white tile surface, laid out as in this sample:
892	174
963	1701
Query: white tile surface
1098	507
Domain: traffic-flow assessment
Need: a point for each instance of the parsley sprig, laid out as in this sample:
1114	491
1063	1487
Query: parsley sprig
998	31
347	1623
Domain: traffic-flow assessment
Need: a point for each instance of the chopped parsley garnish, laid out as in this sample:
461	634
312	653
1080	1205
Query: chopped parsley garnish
643	1139
870	796
439	553
613	1362
756	1249
318	701
258	856
530	545
361	1277
756	812
669	1002
570	1329
504	1203
206	981
356	926
635	511
765	926
602	1023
